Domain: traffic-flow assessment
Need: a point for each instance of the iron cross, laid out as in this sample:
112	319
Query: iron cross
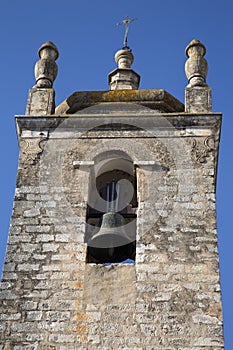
126	22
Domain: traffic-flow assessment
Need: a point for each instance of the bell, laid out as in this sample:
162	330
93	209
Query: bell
111	243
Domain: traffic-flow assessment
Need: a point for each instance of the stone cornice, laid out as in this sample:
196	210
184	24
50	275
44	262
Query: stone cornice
182	122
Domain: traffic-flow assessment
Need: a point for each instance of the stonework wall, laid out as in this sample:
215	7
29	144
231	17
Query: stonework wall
169	299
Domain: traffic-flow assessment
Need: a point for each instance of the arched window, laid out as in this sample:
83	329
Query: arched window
111	210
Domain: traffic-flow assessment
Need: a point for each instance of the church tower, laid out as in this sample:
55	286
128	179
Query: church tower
113	241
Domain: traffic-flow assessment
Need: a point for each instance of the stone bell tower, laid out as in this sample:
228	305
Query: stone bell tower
113	241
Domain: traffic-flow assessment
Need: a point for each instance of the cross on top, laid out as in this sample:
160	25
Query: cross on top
126	22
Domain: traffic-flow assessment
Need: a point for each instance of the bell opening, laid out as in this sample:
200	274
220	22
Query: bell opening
111	254
111	210
111	243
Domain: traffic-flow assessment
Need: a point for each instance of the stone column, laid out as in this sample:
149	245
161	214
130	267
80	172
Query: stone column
41	98
197	92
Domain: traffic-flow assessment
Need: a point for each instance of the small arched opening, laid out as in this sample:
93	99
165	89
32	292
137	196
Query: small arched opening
111	210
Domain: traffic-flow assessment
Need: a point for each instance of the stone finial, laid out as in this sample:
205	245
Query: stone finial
123	77
46	67
196	67
124	59
197	93
41	98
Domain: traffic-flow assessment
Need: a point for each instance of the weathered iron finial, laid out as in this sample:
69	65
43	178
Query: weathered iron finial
126	22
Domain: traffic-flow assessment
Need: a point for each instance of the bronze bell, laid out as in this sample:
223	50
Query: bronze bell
111	243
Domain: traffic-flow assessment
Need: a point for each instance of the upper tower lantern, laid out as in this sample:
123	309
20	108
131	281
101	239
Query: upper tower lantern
123	77
113	241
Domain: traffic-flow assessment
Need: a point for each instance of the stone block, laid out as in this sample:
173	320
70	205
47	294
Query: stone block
9	276
63	237
21	327
40	101
15	230
33	315
30	247
198	99
205	319
60	276
38	228
12	316
31	212
44	237
62	338
61	257
35	337
57	315
28	267
50	247
29	305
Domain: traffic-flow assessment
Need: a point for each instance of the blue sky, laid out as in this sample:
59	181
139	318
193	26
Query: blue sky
87	38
